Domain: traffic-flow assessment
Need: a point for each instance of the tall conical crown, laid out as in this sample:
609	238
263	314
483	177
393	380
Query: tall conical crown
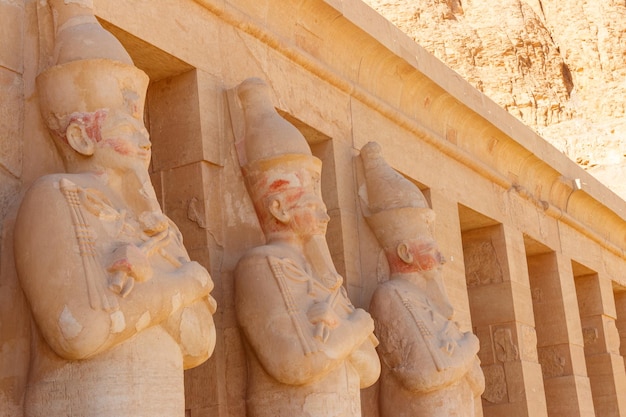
92	70
274	155
395	208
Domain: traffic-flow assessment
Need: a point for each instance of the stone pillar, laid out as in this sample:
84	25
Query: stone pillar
184	113
14	317
620	309
605	365
448	235
502	315
559	339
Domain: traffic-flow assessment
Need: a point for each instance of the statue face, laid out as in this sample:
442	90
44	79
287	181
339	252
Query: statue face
416	255
426	255
124	143
308	216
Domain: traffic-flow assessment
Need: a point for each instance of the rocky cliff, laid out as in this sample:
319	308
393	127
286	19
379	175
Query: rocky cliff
559	66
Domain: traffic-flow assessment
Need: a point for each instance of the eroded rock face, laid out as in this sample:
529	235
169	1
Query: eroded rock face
557	66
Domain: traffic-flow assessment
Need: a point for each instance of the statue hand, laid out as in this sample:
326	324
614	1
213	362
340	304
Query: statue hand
129	264
322	312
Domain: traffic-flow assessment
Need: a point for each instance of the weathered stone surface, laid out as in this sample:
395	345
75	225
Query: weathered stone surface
12	35
11	121
119	310
567	81
429	365
309	349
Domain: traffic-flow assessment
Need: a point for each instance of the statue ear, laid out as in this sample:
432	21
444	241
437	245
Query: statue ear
277	208
79	140
404	253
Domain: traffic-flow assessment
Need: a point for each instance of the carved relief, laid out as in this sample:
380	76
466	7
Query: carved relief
481	264
120	308
590	335
429	367
495	384
529	344
552	362
309	351
505	348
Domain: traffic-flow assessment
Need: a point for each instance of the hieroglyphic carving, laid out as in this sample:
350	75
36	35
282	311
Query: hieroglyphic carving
495	384
309	351
429	366
552	362
481	264
590	335
505	348
120	309
529	344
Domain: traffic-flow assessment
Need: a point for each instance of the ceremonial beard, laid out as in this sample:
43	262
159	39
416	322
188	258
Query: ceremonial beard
145	203
317	253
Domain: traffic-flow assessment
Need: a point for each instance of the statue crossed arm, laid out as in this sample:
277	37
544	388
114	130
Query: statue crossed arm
299	330
61	265
421	348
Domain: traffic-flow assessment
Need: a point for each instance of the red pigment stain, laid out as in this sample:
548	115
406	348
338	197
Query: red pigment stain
397	265
121	265
276	185
120	146
94	127
294	196
92	123
421	261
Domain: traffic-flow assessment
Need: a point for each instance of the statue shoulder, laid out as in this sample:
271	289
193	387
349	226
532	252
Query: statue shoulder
43	204
54	187
266	257
385	292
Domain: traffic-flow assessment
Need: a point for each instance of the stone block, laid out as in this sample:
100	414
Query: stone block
15	325
515	254
508	409
486	352
522	301
211	109
556	361
491	304
606	375
235	372
533	389
11	118
9	189
174	121
595	295
12	35
496	390
184	202
226	300
568	396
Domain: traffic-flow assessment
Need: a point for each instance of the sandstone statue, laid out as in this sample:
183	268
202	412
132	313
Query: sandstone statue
119	308
309	350
429	367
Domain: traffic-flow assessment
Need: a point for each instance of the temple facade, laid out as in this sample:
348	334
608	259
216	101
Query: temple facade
534	247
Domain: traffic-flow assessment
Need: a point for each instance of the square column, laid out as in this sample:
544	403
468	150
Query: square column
559	338
502	315
620	309
605	365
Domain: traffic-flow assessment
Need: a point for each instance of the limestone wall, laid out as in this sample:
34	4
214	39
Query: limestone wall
557	66
534	244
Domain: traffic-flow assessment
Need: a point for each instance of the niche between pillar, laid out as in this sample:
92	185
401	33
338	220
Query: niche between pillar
605	365
323	148
619	292
184	116
556	321
491	307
